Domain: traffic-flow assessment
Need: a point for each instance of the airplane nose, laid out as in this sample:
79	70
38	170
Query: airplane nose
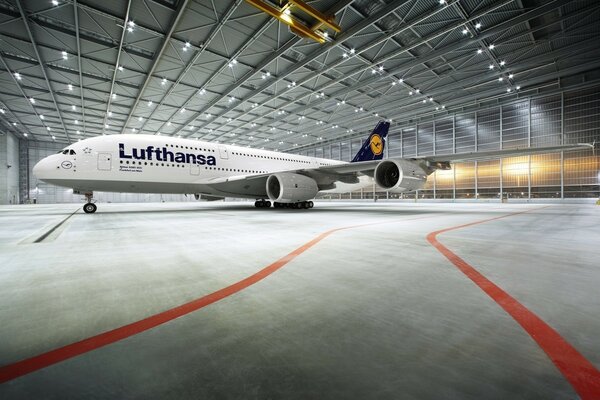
40	170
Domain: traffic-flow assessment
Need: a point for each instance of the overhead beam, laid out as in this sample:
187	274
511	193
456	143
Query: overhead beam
111	92
211	35
321	50
76	16
173	25
42	67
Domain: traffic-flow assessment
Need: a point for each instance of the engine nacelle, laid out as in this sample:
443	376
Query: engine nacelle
286	187
400	176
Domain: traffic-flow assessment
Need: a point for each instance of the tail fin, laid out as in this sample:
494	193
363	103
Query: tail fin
372	148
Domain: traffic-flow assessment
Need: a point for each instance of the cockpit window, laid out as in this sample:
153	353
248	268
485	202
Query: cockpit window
65	152
72	152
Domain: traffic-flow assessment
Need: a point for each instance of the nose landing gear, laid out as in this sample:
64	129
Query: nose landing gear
89	207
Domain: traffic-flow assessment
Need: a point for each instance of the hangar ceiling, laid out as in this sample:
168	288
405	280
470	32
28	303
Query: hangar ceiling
224	71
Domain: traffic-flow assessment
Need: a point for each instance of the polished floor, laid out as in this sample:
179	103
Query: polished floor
161	301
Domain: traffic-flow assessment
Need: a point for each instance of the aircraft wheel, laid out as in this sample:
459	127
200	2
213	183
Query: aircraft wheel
311	204
267	204
89	208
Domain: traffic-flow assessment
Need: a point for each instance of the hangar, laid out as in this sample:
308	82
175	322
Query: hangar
480	284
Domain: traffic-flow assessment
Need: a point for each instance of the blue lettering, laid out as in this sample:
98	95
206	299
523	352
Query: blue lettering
162	154
122	151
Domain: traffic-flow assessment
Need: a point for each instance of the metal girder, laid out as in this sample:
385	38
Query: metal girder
89	36
292	42
9	124
370	45
324	48
42	67
175	21
211	35
547	7
288	45
111	92
542	81
76	16
532	63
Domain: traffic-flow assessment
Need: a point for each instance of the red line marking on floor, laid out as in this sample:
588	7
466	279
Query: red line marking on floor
579	372
26	366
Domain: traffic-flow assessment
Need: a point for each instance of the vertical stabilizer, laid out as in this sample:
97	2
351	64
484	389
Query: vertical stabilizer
373	147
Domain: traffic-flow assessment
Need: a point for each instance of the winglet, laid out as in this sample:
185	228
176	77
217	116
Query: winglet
373	147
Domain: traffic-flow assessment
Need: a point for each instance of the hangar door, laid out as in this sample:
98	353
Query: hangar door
104	161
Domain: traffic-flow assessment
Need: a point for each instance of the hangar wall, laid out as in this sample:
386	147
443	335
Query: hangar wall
565	117
9	169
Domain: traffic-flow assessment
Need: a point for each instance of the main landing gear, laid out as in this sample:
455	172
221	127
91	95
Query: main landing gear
262	204
89	207
297	205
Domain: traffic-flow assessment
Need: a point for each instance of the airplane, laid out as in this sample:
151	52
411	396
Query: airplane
138	163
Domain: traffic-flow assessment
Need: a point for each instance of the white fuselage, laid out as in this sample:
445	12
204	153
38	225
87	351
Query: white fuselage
159	164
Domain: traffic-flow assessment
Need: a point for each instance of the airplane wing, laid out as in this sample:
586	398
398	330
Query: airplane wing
493	154
327	176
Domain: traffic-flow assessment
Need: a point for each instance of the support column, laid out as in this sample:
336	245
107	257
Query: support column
434	174
562	141
476	166
454	152
501	160
529	145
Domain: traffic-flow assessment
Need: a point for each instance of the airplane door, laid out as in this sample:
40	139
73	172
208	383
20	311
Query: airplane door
223	152
194	169
104	161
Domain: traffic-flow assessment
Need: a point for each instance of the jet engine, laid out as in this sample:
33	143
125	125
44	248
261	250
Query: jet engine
286	187
400	176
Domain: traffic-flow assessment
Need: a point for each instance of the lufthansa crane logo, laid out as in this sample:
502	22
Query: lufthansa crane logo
376	144
66	164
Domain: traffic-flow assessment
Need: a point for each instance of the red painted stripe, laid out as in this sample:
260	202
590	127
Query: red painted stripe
23	367
579	372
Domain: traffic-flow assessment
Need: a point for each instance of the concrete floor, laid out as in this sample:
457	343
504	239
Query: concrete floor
374	311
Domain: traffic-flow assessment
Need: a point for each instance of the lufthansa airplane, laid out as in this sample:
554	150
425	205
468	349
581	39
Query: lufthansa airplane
159	164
